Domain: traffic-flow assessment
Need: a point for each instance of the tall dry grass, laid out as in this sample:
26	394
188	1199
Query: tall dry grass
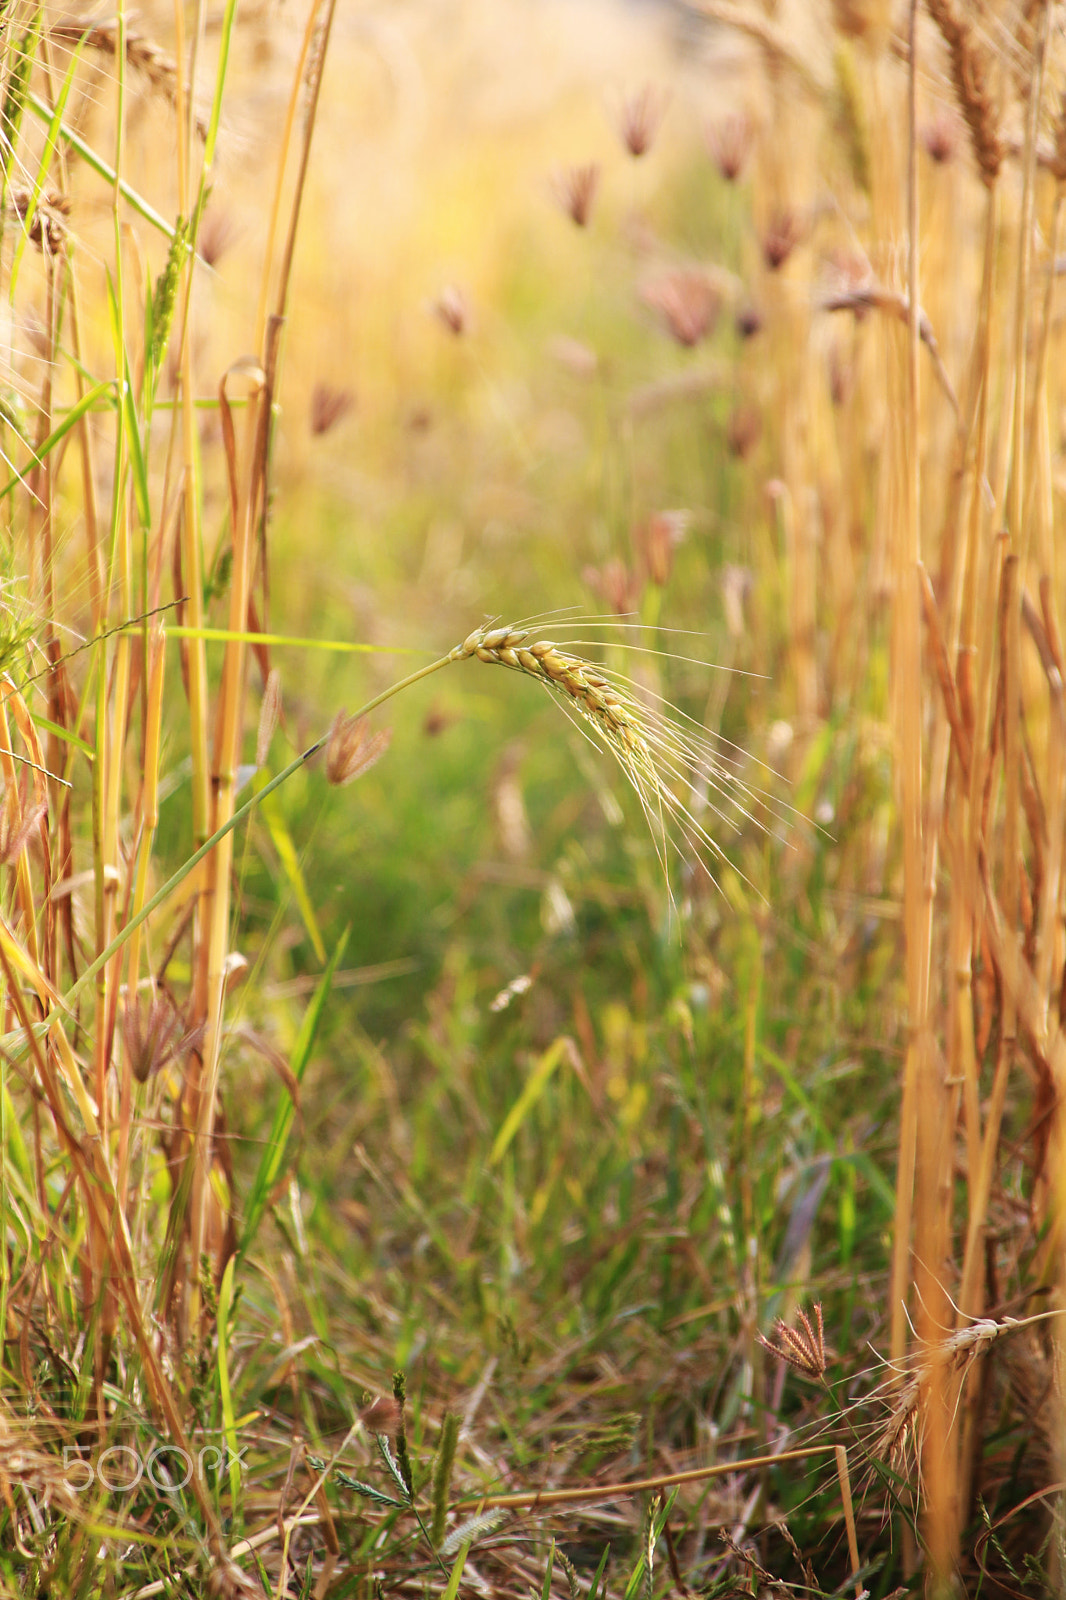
952	125
106	533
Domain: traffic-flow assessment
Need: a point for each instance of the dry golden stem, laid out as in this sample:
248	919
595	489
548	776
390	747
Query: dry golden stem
926	1118
844	1478
613	1491
148	819
875	297
243	486
944	675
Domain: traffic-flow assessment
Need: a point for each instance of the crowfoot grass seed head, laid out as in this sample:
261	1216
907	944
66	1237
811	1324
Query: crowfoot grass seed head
352	749
575	190
639	119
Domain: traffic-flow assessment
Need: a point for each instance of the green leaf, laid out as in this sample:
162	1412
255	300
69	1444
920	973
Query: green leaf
15	97
393	1465
535	1086
270	1163
545	1593
290	865
595	1588
43	167
229	1424
100	167
73	416
456	1573
137	456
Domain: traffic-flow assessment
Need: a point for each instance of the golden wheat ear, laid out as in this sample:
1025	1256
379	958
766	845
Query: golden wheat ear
663	754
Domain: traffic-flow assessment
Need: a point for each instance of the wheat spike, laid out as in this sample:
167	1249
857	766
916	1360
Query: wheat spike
142	54
660	756
971	71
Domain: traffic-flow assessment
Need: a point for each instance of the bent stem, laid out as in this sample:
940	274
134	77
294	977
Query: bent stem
163	894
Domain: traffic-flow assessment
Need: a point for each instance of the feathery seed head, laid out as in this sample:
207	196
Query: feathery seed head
729	141
268	717
352	749
575	190
783	234
328	406
743	430
658	538
688	303
641	116
452	309
48	222
748	321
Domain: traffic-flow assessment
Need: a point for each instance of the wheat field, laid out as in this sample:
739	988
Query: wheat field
595	1129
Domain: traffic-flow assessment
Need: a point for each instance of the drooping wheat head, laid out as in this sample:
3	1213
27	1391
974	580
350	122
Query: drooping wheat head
676	771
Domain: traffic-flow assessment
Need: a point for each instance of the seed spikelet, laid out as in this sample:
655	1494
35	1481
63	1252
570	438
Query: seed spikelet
673	767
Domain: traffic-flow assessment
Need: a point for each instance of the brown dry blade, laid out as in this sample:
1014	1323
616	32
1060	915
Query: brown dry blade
273	1057
945	678
875	297
28	734
14	845
178	580
251	370
671	1556
259	649
1051	624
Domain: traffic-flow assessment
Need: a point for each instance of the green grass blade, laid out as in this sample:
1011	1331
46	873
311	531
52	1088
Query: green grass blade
598	1577
55	123
274	1152
101	168
546	1590
870	1171
535	1086
138	463
456	1573
73	416
290	864
65	735
229	1423
229	17
15	96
